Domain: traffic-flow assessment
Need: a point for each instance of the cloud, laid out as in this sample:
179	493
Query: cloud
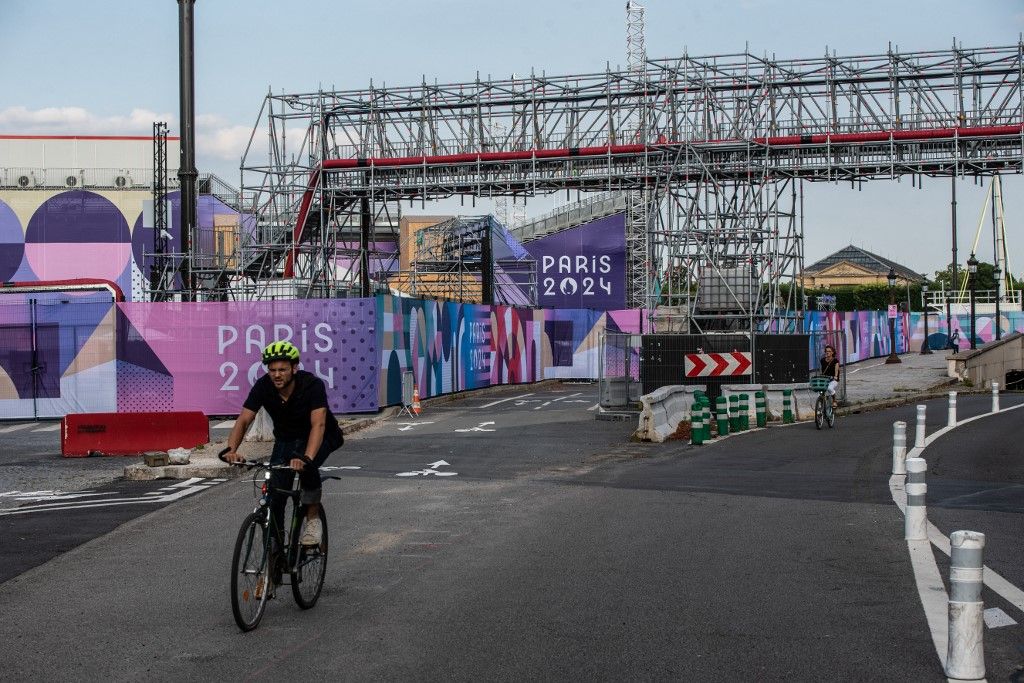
227	143
218	140
77	121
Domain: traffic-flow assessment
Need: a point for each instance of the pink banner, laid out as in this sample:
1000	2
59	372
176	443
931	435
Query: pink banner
206	356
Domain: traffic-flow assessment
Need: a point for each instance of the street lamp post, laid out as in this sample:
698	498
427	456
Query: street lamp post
972	273
893	358
998	272
925	348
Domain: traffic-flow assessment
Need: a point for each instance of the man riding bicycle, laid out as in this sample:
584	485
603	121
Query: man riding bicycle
830	369
305	431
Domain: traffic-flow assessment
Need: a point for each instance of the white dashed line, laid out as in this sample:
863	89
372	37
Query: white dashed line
997	618
514	398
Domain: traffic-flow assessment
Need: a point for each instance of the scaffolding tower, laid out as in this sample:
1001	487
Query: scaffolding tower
469	259
719	146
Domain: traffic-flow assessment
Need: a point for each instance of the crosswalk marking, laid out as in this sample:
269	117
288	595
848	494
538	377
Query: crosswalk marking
14	428
83	499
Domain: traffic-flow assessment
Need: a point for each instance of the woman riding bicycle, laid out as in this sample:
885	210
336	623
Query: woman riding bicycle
305	431
830	369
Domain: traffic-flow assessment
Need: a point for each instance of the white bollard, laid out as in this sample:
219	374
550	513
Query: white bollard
995	397
965	656
899	447
919	434
916	522
952	410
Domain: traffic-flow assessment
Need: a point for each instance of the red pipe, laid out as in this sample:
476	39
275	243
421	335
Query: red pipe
307	201
66	285
602	150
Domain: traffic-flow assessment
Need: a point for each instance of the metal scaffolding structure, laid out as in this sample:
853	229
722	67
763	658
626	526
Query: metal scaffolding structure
717	148
468	259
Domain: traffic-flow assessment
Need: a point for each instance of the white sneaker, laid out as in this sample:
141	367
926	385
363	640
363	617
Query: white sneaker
312	532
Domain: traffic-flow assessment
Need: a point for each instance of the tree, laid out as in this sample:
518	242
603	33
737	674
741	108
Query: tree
986	277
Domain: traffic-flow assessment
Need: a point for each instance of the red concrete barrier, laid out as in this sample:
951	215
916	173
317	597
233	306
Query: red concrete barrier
85	434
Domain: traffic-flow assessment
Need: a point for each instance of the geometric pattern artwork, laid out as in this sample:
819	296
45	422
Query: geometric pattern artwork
78	234
57	354
453	347
67	352
12	243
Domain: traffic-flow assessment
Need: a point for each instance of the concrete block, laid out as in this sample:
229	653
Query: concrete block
663	409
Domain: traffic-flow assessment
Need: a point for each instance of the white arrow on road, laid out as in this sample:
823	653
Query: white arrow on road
431	469
409	425
479	428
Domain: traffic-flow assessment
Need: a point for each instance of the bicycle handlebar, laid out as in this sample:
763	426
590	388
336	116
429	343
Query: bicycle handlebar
251	463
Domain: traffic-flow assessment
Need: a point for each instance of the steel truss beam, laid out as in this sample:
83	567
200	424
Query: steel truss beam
663	131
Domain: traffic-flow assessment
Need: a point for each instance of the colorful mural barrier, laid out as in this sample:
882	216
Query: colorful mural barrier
79	352
57	354
206	356
453	347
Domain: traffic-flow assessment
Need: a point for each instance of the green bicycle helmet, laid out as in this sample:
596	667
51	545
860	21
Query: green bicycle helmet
280	350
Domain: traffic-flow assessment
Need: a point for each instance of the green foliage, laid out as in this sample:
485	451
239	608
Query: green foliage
985	279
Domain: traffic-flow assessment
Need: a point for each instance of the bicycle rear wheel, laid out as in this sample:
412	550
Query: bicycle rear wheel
310	569
819	411
250	573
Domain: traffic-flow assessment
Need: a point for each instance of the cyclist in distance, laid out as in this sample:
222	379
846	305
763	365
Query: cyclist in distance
305	431
830	369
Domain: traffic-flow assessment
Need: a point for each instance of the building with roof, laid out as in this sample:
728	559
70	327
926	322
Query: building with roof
852	266
81	206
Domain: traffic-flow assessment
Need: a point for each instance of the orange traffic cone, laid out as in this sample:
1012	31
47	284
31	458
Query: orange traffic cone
415	400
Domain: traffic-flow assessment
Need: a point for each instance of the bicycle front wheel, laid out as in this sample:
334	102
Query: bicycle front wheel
819	411
310	569
250	573
830	416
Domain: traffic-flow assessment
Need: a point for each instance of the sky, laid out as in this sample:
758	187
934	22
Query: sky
111	67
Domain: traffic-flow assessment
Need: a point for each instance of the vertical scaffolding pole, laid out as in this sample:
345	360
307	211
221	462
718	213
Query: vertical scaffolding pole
187	169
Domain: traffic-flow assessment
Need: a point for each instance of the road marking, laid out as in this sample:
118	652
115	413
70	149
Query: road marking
48	428
479	428
514	398
930	588
996	618
165	497
14	428
188	482
47	495
227	424
556	400
409	425
334	468
594	407
431	469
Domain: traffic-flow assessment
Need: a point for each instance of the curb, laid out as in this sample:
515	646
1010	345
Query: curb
209	467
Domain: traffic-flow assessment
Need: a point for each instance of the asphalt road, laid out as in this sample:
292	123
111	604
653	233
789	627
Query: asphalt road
558	549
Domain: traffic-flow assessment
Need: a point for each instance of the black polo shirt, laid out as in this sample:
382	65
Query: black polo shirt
291	417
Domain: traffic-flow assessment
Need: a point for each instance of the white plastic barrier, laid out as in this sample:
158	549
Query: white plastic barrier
803	400
663	410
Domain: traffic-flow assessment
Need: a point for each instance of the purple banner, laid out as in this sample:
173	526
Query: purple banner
583	267
206	356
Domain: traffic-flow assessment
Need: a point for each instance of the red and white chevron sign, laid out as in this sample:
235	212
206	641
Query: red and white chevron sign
717	364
